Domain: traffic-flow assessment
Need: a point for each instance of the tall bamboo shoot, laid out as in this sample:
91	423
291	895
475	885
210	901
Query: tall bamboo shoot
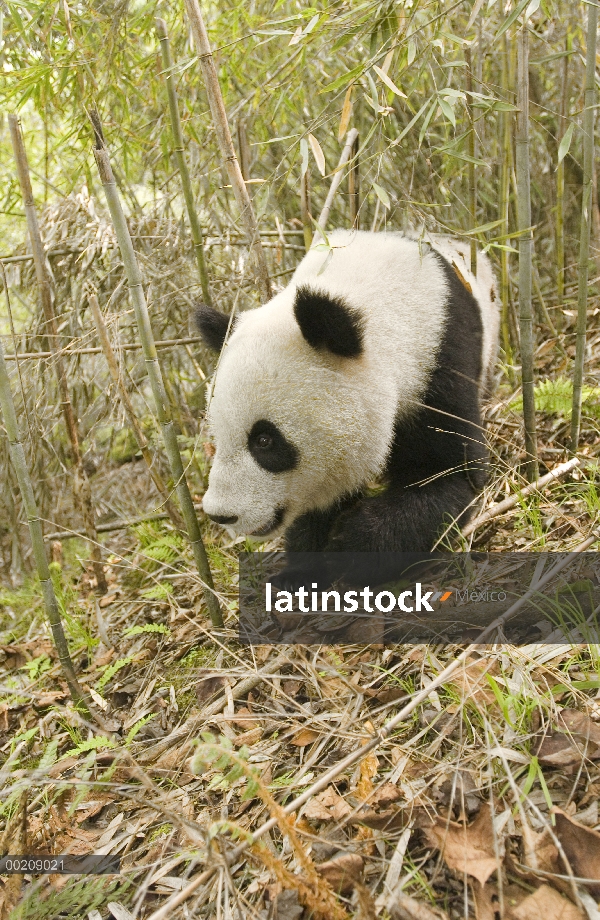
179	150
219	116
81	486
525	253
586	218
17	456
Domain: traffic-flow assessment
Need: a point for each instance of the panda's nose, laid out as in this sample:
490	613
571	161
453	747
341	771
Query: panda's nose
223	518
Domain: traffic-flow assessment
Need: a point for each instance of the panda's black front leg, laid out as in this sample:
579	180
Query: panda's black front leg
306	539
403	520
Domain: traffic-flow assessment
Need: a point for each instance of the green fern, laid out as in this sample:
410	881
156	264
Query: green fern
111	670
148	628
99	743
555	397
167	550
158	592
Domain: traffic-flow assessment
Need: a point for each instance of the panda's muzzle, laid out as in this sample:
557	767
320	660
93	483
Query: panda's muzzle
273	524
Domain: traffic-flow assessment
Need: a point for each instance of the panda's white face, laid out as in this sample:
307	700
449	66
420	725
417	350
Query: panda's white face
292	428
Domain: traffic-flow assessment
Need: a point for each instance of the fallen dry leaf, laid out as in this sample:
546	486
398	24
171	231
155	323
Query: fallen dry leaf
385	795
107	600
368	770
243	718
304	737
342	872
487	901
546	904
249	738
402	907
466	848
580	724
582	848
327	806
472	681
209	684
558	750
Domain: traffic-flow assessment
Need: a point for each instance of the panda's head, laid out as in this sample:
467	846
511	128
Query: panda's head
292	428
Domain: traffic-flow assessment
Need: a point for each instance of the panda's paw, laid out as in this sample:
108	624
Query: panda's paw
294	577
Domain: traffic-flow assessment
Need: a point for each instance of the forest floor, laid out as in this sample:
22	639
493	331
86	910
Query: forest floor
483	802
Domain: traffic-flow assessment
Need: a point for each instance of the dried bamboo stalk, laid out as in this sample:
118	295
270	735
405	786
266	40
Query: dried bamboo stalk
127	346
354	186
128	406
504	214
560	184
305	210
351	138
243	149
81	486
138	299
179	151
17	456
586	218
471	170
508	503
525	254
219	117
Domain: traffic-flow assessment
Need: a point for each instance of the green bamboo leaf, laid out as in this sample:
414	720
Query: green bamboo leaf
411	124
566	142
317	153
382	195
447	110
388	82
303	155
484	227
510	19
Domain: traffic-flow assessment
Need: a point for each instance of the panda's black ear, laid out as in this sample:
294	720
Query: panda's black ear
328	322
213	326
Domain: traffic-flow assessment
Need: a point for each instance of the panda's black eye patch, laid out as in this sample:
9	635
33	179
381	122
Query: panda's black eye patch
271	449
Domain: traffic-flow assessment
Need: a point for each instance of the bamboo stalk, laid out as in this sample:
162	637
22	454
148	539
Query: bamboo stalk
586	219
560	185
81	486
504	215
351	138
305	209
128	406
17	456
94	350
525	253
354	186
179	151
219	117
243	149
138	299
471	165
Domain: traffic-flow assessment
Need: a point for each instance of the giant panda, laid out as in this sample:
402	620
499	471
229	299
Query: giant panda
370	366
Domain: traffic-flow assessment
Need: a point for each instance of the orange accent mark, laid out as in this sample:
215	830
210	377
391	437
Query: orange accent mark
445	596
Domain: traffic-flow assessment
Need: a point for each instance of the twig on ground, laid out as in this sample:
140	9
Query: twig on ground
508	503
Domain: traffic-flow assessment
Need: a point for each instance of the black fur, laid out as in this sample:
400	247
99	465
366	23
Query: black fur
213	326
271	449
437	463
328	322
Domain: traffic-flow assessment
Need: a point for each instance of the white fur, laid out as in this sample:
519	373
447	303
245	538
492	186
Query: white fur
339	412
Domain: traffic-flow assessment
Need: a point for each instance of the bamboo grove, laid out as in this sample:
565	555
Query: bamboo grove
167	153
